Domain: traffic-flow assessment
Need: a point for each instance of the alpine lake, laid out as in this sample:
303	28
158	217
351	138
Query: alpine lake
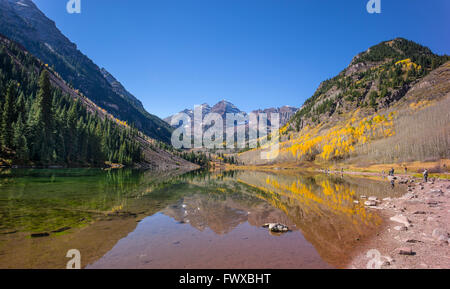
199	220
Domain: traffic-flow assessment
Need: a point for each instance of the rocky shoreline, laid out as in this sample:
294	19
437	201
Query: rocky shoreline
416	233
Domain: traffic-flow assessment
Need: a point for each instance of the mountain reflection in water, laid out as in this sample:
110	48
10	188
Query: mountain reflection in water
196	220
210	225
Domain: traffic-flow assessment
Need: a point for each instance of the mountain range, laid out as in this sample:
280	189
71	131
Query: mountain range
224	107
368	103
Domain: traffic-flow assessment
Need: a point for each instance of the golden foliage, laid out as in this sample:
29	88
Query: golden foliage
336	197
420	105
339	141
408	64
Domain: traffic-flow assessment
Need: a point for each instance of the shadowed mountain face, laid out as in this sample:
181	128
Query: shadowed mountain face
23	22
285	112
119	89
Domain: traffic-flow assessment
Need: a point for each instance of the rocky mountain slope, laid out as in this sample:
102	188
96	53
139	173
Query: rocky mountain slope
285	112
25	68
23	22
119	89
374	80
391	104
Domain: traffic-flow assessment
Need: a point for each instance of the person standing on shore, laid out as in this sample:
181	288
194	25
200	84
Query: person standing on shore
425	176
391	172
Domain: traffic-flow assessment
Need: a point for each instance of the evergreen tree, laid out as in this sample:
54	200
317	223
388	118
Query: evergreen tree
435	63
8	116
44	101
19	139
44	126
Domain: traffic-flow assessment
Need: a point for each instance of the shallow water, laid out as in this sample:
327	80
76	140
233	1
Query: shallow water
137	219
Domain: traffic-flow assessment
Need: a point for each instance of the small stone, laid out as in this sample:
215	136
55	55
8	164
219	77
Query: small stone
356	202
442	238
420	213
436	193
406	251
413	241
373	198
408	196
440	234
389	259
363	197
387	199
400	228
401	219
370	203
433	203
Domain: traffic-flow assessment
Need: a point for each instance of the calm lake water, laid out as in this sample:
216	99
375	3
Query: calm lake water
139	219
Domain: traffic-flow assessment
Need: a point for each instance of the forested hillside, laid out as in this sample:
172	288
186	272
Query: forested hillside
23	22
374	80
392	104
41	125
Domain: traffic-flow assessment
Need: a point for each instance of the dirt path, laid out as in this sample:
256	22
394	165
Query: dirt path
417	228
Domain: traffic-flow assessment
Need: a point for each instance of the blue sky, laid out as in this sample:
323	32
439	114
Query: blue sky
172	54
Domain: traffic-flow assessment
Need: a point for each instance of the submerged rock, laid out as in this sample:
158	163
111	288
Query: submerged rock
276	227
60	230
40	235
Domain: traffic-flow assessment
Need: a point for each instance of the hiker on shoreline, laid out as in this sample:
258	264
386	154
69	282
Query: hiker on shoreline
391	172
425	176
